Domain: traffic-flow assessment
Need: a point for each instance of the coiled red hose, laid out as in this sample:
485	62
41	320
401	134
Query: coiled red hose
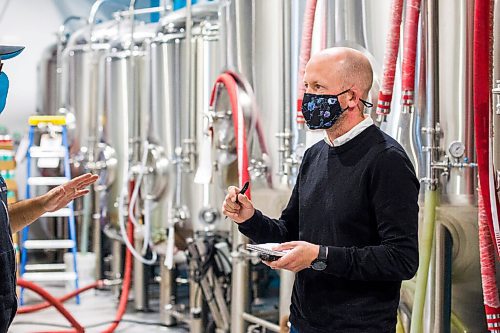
44	305
230	84
390	58
53	301
305	54
410	51
488	270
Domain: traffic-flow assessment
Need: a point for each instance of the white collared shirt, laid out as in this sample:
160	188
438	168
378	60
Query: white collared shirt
355	131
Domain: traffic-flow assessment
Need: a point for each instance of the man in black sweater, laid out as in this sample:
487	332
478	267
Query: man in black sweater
351	223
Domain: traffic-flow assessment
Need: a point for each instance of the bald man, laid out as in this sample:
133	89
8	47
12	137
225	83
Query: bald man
350	228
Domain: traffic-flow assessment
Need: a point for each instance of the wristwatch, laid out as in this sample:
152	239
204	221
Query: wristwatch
319	264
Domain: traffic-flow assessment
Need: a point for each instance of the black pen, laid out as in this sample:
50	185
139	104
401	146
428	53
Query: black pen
243	190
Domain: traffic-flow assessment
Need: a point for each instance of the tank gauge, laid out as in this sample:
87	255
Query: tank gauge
457	149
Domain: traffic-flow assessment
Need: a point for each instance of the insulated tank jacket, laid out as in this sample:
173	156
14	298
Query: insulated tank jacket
361	200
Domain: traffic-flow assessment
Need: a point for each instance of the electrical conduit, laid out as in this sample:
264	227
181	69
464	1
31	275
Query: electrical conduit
410	51
390	58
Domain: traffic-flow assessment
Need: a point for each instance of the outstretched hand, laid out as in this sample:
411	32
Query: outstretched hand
60	196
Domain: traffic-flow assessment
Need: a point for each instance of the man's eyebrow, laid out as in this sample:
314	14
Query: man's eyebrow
315	82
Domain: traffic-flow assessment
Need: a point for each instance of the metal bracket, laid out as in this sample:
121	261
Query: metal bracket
496	92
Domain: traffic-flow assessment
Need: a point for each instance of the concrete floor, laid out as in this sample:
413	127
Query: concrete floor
96	307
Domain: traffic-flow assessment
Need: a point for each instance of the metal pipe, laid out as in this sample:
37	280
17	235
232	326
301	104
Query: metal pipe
139	283
442	294
116	265
141	11
287	279
96	218
167	294
432	92
240	291
261	322
439	280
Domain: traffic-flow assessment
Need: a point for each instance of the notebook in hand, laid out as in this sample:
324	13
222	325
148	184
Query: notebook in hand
266	251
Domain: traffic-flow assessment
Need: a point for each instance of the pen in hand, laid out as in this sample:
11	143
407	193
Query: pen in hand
243	190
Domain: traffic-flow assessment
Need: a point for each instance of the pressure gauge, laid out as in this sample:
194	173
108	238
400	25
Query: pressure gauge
457	149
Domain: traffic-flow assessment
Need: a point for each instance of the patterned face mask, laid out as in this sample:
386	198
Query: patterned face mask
322	111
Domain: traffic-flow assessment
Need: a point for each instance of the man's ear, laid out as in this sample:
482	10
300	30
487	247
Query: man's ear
353	97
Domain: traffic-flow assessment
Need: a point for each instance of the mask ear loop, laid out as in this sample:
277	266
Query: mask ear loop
366	103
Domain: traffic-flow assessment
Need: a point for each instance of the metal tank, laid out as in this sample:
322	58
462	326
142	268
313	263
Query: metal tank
47	93
82	87
181	78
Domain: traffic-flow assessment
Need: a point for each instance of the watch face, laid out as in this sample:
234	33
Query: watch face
318	265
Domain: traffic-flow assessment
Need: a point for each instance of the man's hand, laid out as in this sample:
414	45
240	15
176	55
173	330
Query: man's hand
300	257
241	212
60	196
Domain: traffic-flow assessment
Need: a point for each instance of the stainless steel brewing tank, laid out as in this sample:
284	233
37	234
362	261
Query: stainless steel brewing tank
47	95
167	84
125	102
182	81
456	117
82	86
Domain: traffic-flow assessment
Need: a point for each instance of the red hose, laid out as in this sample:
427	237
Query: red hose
488	270
54	301
390	58
489	231
483	23
410	50
41	306
305	54
122	305
231	86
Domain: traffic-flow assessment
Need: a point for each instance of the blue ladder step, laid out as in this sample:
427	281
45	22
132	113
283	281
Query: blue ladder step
44	244
63	212
50	276
45	267
39	152
47	181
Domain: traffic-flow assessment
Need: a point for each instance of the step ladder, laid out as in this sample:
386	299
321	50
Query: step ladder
53	271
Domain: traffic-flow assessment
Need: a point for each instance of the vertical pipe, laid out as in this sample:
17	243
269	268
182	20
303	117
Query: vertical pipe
139	283
116	264
195	304
167	294
442	294
240	290
430	200
96	218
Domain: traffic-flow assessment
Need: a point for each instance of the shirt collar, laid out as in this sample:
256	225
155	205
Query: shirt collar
353	132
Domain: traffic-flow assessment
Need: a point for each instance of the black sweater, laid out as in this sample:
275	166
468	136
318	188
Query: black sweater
360	200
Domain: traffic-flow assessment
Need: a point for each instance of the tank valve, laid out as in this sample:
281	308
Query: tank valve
209	215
